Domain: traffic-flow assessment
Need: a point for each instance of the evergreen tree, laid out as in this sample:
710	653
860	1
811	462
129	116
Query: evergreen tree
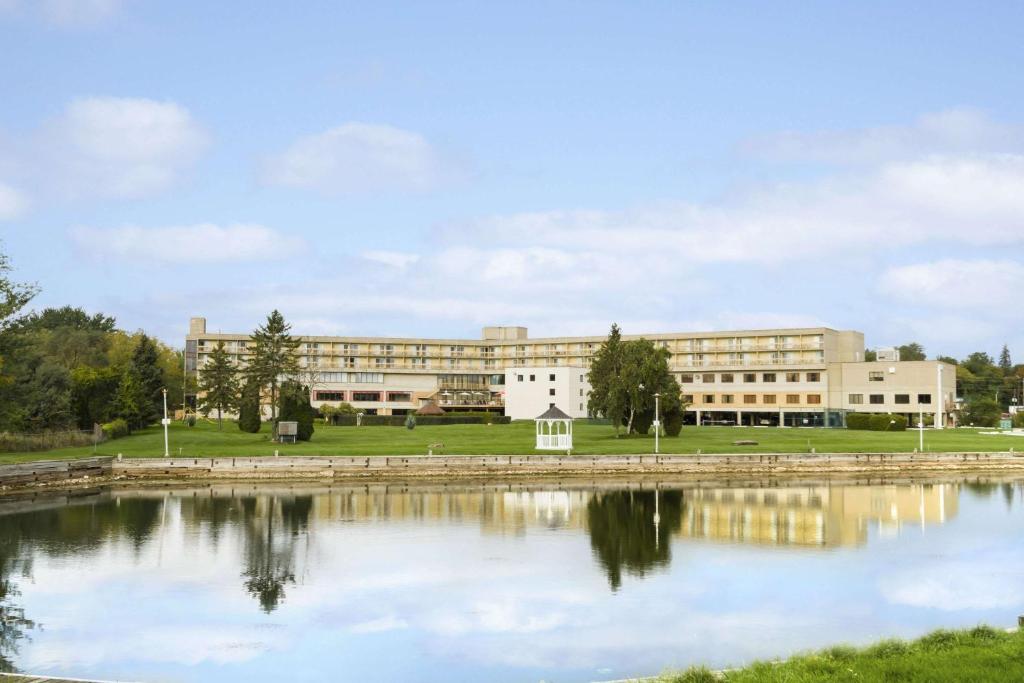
607	390
912	351
295	407
249	408
145	366
130	401
218	384
1005	364
274	356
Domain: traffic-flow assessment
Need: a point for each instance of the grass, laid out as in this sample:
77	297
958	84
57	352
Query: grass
978	654
517	438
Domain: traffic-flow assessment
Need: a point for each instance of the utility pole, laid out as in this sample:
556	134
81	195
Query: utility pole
166	423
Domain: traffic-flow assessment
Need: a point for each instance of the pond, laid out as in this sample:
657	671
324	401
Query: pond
496	581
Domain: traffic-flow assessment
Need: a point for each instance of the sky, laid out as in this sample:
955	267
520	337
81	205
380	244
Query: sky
424	169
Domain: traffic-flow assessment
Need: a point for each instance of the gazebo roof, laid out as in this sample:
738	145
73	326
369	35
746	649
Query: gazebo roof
553	413
430	408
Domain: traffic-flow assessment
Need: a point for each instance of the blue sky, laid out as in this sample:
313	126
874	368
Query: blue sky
427	168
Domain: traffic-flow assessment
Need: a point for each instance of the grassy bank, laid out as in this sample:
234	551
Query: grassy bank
205	440
979	654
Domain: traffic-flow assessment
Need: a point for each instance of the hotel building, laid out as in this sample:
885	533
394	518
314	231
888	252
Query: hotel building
792	377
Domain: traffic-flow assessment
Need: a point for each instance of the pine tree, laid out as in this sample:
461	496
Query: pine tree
145	366
249	408
274	356
1005	364
218	384
608	394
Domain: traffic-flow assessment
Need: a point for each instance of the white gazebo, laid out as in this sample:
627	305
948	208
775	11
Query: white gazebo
554	430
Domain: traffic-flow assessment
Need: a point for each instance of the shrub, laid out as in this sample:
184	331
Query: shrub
410	421
1018	419
43	441
249	409
673	422
887	648
399	420
115	429
876	422
294	406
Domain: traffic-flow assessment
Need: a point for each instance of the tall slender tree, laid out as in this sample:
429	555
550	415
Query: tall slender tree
607	390
274	356
218	383
145	367
1005	364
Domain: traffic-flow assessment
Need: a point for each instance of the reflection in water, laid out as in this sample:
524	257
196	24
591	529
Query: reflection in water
444	566
630	530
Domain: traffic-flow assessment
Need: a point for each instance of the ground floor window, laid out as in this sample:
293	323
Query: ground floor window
792	399
814	399
399	396
329	396
365	395
924	399
877	399
768	399
902	398
856	399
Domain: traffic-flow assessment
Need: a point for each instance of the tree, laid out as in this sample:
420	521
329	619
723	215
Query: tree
145	367
295	407
912	351
870	355
607	390
13	296
92	394
218	383
982	411
130	401
249	408
1005	364
69	317
274	356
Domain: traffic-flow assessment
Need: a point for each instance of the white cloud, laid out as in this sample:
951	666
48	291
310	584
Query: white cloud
952	283
360	157
953	131
67	13
395	259
121	147
12	203
202	243
955	585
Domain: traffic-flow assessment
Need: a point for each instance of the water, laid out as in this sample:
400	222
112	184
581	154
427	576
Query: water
495	582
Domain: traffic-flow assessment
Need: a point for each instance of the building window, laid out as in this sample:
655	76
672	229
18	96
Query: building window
814	399
768	377
768	399
750	377
330	396
708	378
876	399
533	378
792	376
749	398
399	396
581	392
551	391
813	376
792	399
876	376
902	399
519	378
727	398
551	378
583	378
924	399
686	378
687	398
856	399
709	398
365	395
727	377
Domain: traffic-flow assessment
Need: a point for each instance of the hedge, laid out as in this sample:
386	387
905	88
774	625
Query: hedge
421	420
876	422
115	429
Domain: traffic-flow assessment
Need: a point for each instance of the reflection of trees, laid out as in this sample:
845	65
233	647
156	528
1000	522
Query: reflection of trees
623	533
70	530
269	552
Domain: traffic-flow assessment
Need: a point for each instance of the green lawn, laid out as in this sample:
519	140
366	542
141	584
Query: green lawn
517	438
980	654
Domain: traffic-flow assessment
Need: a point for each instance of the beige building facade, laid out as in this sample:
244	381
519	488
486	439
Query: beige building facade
795	377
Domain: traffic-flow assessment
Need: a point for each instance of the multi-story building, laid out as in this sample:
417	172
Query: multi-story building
794	377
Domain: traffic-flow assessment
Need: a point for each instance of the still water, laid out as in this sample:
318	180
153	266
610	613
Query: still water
493	582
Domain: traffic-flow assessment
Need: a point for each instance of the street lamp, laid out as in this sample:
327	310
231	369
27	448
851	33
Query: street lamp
166	422
657	423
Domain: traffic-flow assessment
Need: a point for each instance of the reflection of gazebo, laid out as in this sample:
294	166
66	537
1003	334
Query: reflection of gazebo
430	408
554	430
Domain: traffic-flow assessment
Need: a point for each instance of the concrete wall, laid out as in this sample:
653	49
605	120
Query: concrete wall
528	391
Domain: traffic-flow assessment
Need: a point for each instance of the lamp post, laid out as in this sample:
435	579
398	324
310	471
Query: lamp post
920	431
657	423
166	422
938	415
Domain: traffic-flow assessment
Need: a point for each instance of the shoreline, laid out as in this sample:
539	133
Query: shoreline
91	472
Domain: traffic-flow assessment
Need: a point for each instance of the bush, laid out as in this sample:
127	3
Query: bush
43	441
673	422
399	420
1018	419
876	422
294	407
115	429
410	421
249	409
